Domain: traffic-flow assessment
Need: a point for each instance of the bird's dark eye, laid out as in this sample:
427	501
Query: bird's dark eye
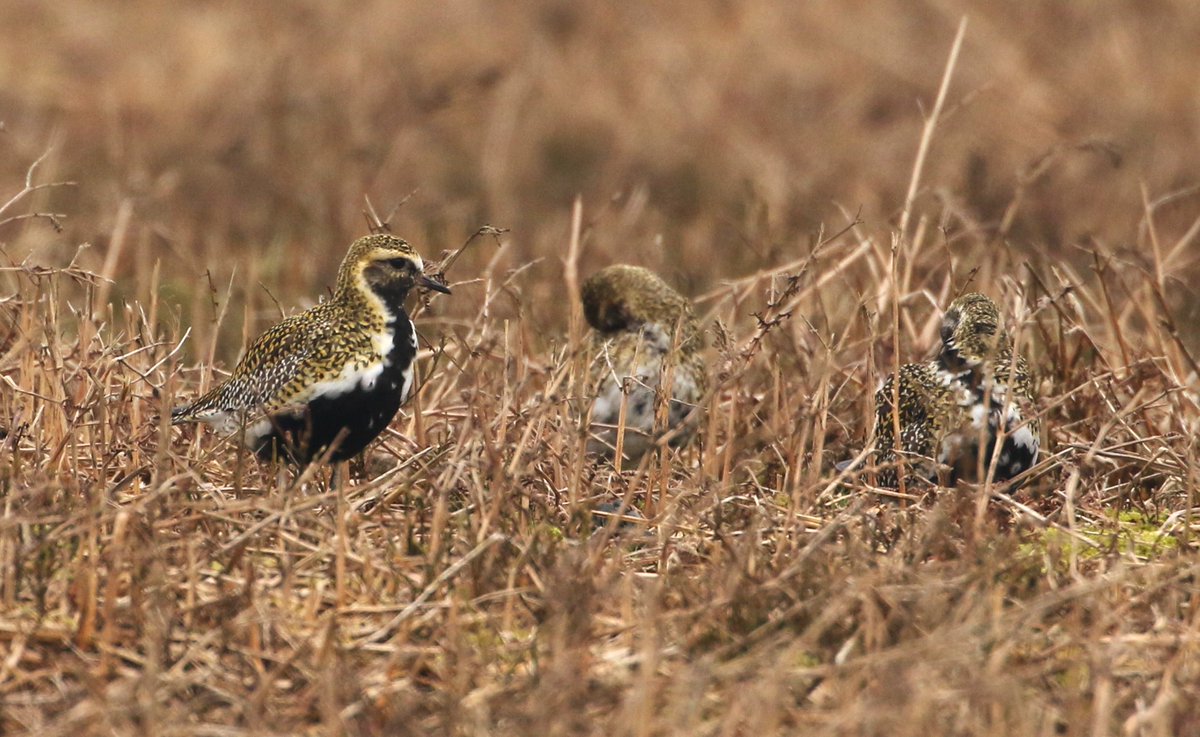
399	263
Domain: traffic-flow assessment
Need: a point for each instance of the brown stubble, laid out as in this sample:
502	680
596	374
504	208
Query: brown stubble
157	580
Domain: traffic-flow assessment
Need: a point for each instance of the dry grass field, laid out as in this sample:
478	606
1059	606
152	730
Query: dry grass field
201	168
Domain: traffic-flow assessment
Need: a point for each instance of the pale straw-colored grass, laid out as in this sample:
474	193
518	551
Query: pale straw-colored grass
760	155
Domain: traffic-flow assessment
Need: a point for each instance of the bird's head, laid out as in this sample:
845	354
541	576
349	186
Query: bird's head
622	297
971	331
385	266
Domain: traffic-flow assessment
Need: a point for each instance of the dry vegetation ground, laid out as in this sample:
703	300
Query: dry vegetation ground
758	154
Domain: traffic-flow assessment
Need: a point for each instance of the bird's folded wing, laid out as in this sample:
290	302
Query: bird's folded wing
275	372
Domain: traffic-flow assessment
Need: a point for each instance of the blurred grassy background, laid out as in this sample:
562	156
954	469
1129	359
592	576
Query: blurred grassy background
707	140
153	582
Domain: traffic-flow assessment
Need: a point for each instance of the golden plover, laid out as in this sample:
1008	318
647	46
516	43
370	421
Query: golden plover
331	378
974	389
644	331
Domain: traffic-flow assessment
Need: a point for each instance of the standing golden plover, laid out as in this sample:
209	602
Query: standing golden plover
645	331
947	405
331	378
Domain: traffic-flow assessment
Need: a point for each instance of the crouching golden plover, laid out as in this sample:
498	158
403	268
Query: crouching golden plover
644	333
331	378
975	389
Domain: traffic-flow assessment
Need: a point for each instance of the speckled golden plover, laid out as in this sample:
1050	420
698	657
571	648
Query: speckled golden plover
644	331
975	389
331	378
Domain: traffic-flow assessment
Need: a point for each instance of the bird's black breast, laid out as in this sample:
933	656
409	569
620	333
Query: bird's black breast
1015	458
348	421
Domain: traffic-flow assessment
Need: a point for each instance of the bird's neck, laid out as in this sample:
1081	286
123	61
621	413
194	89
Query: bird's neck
972	370
973	354
386	305
952	361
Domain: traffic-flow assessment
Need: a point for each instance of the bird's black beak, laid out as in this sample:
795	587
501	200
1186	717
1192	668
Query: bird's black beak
431	284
